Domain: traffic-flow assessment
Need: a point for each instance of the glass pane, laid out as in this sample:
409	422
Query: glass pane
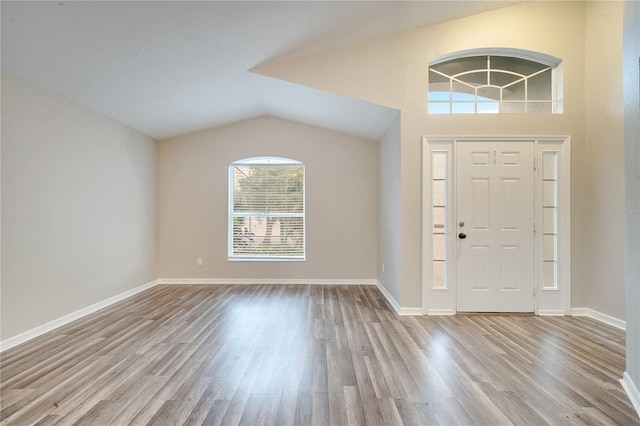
439	164
460	88
438	275
489	93
488	107
456	66
438	247
463	108
520	66
515	92
435	77
549	165
439	96
512	107
499	78
496	78
268	189
549	247
438	219
549	275
539	107
440	86
549	220
539	87
268	236
475	78
549	193
439	193
439	108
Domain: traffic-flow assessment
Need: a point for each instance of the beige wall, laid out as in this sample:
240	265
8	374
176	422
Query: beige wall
341	201
632	178
389	188
79	207
604	125
399	79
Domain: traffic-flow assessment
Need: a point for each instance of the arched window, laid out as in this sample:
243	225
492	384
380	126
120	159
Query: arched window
266	209
494	81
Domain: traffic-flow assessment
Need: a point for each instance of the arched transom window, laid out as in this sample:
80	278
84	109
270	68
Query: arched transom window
493	83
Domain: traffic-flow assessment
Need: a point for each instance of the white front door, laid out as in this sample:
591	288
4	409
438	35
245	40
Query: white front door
495	226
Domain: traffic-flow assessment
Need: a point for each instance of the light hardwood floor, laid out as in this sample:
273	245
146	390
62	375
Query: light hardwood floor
299	354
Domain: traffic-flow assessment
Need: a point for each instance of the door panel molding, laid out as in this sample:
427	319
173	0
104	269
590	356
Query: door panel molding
497	199
552	220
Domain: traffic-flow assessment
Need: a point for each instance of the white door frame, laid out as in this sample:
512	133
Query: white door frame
552	165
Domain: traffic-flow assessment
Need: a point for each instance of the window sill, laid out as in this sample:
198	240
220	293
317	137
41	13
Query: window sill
265	259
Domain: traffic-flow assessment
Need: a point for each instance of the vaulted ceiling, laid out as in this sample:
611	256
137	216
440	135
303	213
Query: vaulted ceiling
170	68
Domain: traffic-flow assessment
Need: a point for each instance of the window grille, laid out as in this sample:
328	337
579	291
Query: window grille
439	198
486	84
550	219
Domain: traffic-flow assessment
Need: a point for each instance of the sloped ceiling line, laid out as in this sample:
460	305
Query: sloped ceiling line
172	68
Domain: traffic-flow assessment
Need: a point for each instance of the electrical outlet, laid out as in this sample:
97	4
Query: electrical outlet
199	261
382	266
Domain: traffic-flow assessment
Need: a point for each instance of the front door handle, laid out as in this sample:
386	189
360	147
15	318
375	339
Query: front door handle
462	235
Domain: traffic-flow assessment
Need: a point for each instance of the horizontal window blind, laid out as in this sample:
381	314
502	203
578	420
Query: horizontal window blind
266	209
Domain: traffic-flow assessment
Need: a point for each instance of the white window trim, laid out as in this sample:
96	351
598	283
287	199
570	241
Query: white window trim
530	55
270	161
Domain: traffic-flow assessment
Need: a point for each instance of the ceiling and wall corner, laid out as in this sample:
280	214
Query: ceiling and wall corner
173	68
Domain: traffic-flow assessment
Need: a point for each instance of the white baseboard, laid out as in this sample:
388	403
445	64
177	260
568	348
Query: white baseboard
220	281
632	391
394	303
410	311
441	312
551	313
52	325
596	315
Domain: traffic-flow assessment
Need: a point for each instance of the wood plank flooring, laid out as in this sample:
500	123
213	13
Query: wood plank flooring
311	355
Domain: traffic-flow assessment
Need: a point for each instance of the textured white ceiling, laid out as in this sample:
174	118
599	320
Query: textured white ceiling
171	68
